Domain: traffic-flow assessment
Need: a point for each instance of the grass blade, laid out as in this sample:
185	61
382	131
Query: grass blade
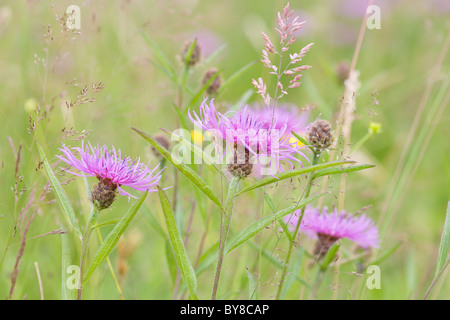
236	75
189	52
276	262
252	286
329	256
445	242
301	139
206	158
113	237
106	223
292	173
184	169
182	117
200	92
215	54
261	224
181	257
165	66
347	169
67	294
386	254
292	272
152	220
60	194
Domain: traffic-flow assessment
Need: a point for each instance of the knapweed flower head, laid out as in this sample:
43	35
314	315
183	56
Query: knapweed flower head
162	140
249	134
320	135
215	84
330	227
111	169
195	54
285	115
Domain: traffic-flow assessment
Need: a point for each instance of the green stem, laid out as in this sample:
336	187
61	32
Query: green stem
111	269
224	227
317	283
84	247
358	144
315	160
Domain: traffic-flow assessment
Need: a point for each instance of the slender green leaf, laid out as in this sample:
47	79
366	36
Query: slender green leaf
164	70
290	174
292	272
162	58
329	256
215	54
113	237
270	203
201	203
445	242
181	257
252	286
339	170
106	223
273	209
67	294
277	262
243	100
300	138
189	52
181	116
386	254
236	75
201	91
206	158
190	174
152	220
171	263
207	259
262	223
60	194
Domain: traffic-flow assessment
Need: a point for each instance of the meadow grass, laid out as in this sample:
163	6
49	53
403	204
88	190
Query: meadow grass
124	69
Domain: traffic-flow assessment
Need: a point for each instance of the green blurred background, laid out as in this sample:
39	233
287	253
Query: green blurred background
396	64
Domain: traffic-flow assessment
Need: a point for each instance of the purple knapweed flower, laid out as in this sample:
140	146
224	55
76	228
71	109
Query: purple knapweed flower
247	130
284	114
112	171
330	227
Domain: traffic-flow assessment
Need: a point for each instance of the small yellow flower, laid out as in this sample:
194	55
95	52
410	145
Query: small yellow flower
293	140
375	127
197	137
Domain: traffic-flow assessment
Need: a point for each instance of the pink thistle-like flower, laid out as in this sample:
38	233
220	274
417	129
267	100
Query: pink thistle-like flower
110	168
330	227
284	114
259	135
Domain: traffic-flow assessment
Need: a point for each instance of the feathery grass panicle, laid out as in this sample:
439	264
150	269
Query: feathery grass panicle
286	28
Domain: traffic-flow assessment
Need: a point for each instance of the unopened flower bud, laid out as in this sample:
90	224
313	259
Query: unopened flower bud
214	86
323	244
342	71
103	194
195	55
241	165
320	135
162	140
